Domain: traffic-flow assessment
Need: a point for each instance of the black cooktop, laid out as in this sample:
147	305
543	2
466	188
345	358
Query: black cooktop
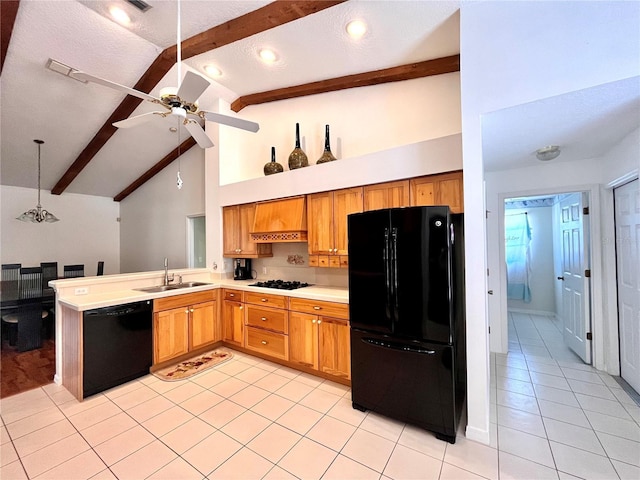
281	284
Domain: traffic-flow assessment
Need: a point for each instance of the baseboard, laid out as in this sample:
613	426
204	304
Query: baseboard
478	435
533	312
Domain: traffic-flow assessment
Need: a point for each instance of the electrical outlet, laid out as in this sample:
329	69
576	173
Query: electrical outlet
81	291
264	270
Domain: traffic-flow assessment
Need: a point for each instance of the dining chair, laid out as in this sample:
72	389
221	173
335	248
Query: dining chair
100	268
24	334
71	271
10	284
49	272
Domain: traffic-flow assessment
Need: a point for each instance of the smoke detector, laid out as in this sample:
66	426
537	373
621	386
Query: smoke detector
547	153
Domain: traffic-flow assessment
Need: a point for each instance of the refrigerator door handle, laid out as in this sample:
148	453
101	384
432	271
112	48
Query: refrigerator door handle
394	272
387	274
397	346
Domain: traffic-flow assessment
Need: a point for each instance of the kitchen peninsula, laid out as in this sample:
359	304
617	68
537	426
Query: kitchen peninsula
301	311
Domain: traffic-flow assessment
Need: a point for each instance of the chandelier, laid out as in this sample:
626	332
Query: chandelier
38	215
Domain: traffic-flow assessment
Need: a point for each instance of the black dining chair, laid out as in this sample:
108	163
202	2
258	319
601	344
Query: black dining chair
25	322
49	272
100	268
71	271
10	285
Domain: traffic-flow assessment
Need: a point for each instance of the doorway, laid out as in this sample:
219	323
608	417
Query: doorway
627	226
548	290
196	241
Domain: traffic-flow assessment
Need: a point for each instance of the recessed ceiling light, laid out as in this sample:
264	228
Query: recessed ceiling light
212	71
356	29
548	153
120	16
267	55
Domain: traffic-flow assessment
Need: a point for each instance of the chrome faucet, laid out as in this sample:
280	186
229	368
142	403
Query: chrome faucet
167	278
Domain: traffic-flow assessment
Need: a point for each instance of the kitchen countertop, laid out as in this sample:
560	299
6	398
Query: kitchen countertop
98	300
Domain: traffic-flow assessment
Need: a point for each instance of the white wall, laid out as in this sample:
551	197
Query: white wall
88	230
513	53
153	218
542	278
362	121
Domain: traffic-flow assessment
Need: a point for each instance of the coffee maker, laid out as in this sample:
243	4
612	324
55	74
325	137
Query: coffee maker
242	269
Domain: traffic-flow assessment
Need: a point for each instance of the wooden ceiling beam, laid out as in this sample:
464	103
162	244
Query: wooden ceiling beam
157	168
270	16
8	13
427	68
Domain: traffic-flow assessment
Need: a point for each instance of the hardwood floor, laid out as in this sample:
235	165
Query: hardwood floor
22	371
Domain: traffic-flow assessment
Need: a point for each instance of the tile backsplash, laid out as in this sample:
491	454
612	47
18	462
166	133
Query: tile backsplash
290	261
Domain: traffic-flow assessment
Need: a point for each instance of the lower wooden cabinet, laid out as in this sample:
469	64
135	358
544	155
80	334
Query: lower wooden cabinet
233	317
184	323
319	341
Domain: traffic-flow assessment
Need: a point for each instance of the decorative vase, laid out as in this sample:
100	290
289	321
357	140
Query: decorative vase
272	167
297	158
326	156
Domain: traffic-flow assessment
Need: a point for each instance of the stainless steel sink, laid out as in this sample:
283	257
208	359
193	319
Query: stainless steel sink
177	286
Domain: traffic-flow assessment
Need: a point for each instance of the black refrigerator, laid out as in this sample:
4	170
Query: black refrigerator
406	309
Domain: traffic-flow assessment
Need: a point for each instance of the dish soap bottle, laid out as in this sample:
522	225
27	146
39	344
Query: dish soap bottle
297	158
326	156
272	166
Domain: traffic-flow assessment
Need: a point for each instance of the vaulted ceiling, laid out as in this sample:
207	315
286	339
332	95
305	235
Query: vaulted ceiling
84	153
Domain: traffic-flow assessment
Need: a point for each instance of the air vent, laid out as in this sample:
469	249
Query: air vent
140	5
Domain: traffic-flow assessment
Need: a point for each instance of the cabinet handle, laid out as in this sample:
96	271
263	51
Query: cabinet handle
315	307
264	319
264	342
263	299
241	307
187	311
191	310
313	321
319	321
232	294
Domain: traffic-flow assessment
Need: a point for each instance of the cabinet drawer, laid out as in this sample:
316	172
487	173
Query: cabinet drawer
176	301
344	261
273	344
235	295
269	318
266	300
317	307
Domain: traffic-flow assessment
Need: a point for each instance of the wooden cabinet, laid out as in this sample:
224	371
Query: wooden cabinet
233	317
441	189
319	336
267	324
386	195
237	221
327	225
184	323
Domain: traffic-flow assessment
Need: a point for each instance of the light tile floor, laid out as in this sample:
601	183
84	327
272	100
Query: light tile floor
551	417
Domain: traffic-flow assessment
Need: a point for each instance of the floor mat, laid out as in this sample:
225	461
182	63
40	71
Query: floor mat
192	366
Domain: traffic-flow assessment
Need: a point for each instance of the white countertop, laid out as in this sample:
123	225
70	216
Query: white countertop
107	299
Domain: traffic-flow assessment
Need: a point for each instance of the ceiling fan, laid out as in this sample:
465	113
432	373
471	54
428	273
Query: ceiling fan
180	102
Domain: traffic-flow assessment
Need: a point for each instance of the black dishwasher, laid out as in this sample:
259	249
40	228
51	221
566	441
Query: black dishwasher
117	345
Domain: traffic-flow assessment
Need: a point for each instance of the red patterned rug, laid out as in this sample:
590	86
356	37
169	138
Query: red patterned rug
193	365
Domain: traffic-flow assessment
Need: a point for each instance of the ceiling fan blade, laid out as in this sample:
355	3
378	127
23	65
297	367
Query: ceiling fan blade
198	133
137	120
116	86
232	121
192	87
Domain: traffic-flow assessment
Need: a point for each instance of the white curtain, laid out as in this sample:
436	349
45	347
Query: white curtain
518	238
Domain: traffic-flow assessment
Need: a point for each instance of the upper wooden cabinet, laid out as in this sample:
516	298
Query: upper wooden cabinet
442	189
327	225
237	221
386	195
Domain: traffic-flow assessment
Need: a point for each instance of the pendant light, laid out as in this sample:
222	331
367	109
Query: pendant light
38	215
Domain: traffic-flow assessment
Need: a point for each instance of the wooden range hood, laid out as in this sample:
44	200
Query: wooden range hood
280	221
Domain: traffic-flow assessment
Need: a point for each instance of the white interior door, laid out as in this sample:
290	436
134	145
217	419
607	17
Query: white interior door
627	219
575	284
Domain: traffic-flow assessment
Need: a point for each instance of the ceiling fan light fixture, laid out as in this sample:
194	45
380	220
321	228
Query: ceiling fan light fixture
356	29
38	214
267	55
547	153
120	15
212	71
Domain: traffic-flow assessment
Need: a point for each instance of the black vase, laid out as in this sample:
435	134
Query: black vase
326	156
297	158
272	167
